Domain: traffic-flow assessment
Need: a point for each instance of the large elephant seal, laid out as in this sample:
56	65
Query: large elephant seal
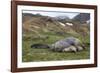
67	43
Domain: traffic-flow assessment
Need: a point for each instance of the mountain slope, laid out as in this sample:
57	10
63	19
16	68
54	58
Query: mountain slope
82	17
39	25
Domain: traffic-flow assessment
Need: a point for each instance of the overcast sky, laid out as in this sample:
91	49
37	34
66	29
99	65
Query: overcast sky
53	13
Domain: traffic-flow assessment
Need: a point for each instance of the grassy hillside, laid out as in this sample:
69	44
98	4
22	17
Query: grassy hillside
47	30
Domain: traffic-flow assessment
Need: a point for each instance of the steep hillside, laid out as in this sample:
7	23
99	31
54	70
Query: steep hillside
82	17
36	25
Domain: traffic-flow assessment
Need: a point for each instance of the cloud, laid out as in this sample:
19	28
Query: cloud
52	13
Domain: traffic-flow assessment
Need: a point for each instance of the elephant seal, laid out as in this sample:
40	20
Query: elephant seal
66	44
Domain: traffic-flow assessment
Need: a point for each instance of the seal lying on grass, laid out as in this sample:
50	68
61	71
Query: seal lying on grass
67	44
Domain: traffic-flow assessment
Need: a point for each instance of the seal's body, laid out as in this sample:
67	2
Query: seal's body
67	43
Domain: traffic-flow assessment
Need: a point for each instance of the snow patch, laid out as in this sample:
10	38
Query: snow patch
70	24
62	24
88	21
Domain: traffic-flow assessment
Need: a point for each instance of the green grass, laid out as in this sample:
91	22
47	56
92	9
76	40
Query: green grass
32	54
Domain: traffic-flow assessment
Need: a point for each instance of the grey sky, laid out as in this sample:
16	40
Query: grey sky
53	13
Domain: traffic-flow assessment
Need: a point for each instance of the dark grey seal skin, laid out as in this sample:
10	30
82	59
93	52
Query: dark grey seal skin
75	42
39	46
59	45
72	41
